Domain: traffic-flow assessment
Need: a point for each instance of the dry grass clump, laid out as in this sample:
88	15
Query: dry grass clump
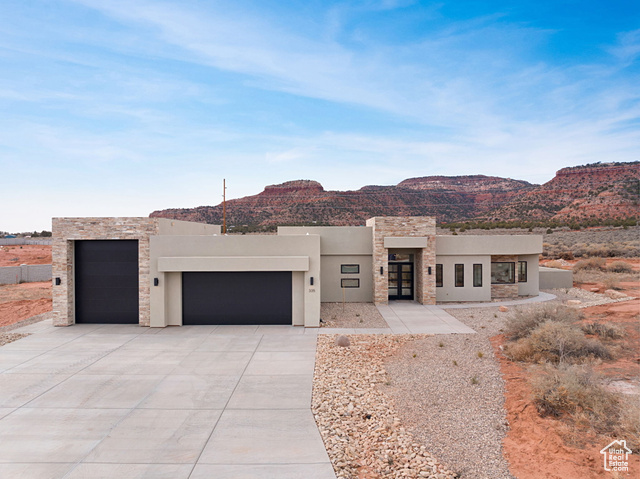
611	281
577	393
620	267
590	263
603	330
556	342
524	321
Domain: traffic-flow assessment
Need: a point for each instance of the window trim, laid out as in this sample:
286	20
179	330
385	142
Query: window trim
513	266
458	284
346	280
477	266
526	271
342	271
439	284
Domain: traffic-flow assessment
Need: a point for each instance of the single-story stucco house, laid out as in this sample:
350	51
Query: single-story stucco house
159	272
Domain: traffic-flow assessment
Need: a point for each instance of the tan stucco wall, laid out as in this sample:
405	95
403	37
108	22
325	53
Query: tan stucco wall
551	278
165	298
336	240
331	276
489	244
176	227
341	245
532	286
449	291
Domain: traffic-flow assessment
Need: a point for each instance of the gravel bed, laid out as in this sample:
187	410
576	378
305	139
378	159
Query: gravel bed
351	315
26	322
6	338
588	298
362	432
449	390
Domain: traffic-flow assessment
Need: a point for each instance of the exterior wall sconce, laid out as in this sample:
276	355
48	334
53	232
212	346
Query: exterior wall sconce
156	281
311	281
429	270
58	281
381	270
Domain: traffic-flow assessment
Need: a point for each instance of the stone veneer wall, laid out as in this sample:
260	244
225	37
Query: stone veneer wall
402	226
505	290
67	230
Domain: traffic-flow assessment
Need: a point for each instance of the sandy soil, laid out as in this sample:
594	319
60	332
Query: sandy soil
15	255
21	301
546	448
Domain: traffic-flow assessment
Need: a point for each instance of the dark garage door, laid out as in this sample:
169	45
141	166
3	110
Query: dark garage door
236	298
106	287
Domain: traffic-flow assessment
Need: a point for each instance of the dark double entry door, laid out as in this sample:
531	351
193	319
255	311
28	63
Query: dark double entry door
400	280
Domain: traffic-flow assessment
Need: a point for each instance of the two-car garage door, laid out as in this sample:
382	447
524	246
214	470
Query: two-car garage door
107	284
262	297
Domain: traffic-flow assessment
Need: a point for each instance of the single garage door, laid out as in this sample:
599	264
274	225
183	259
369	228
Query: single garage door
106	281
262	297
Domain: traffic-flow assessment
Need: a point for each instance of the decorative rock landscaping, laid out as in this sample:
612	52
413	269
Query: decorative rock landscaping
361	431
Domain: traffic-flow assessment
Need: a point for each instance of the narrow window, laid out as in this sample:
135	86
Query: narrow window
522	271
477	275
503	273
459	276
439	275
350	283
349	268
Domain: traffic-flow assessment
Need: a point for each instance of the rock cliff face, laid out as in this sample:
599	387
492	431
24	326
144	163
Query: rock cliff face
591	191
579	193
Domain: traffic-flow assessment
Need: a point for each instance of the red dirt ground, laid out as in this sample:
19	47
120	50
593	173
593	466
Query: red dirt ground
21	301
15	255
536	447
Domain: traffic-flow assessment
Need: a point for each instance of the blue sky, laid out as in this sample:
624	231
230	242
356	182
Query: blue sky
118	108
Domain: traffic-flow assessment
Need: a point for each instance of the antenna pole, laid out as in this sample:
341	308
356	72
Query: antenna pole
224	206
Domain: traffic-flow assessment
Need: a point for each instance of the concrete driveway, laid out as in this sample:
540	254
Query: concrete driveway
93	401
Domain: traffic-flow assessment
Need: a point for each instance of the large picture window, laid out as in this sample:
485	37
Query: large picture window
477	275
503	273
439	276
522	271
459	276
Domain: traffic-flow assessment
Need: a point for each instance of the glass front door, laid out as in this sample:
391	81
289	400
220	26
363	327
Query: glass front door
400	280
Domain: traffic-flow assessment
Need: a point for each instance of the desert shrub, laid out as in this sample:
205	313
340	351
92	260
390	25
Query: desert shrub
567	255
590	263
620	267
603	330
610	281
576	392
523	321
556	342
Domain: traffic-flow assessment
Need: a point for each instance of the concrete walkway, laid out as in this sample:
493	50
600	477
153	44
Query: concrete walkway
541	298
194	402
411	317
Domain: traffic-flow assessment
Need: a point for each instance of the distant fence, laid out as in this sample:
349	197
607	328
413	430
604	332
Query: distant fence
26	273
10	241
